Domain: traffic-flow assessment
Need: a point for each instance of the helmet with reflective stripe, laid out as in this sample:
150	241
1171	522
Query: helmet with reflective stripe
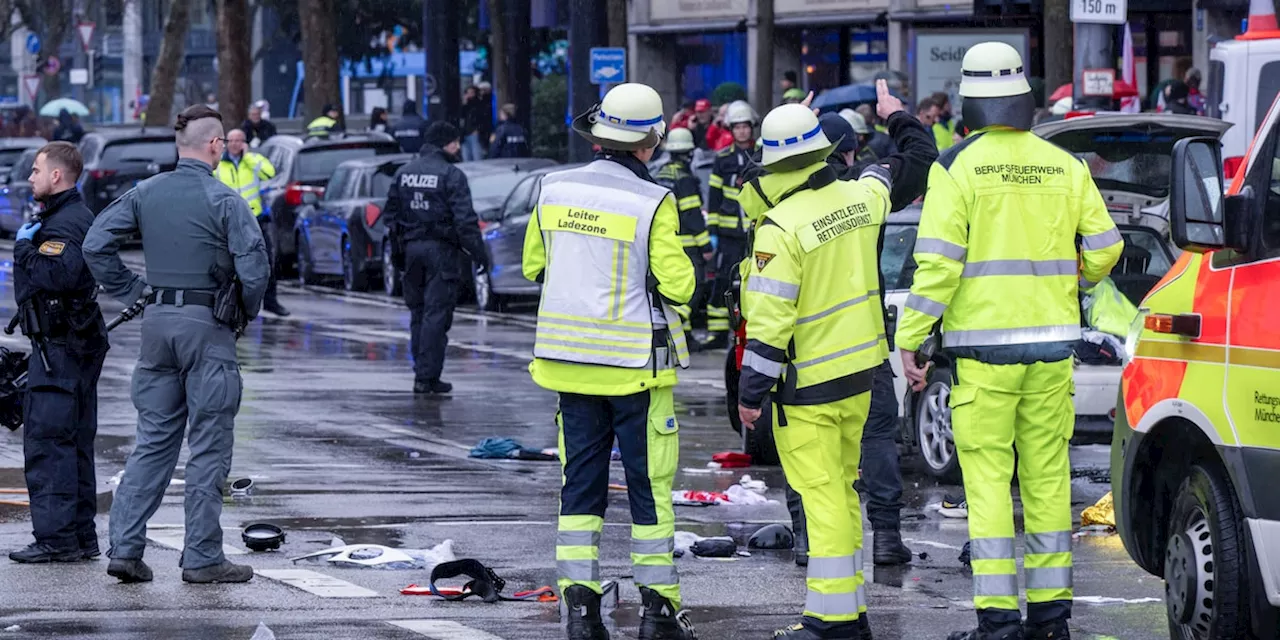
992	70
628	119
680	141
740	111
793	139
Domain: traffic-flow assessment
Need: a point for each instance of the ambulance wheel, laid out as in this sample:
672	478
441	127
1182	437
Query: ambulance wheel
1205	569
934	438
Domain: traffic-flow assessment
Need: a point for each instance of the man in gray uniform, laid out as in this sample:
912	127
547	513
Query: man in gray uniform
194	229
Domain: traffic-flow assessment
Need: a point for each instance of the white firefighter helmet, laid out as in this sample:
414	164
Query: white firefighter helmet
856	121
628	119
793	139
680	140
740	111
993	70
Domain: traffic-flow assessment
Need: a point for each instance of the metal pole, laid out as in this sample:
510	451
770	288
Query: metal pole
1094	50
132	69
442	96
587	28
516	26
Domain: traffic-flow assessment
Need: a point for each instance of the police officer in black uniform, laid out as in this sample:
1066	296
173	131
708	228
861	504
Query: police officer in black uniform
431	219
56	302
410	128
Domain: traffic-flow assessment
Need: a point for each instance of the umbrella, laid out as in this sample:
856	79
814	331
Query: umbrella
52	108
849	95
1064	91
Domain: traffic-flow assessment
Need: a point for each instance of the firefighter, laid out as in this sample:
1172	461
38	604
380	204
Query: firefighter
602	241
328	122
997	264
676	176
816	336
725	220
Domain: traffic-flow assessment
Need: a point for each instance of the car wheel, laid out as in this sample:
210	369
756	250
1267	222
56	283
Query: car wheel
391	277
486	299
306	272
353	276
934	439
1204	567
758	442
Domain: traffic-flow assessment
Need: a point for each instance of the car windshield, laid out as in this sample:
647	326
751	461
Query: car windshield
316	165
899	242
490	190
1126	160
157	151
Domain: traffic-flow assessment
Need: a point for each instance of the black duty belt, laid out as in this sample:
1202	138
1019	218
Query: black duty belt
181	297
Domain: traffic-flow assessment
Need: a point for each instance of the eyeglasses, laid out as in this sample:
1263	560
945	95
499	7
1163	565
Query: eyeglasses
222	140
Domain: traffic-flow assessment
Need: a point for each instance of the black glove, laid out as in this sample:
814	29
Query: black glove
397	253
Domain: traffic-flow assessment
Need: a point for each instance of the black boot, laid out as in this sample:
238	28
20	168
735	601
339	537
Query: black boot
888	548
41	553
864	628
661	621
1055	630
432	387
583	606
89	548
129	570
990	631
225	573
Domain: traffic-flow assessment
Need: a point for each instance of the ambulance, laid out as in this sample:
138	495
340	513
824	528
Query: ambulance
1196	443
1244	78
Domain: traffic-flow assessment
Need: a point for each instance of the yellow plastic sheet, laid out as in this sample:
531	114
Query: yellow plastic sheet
1103	513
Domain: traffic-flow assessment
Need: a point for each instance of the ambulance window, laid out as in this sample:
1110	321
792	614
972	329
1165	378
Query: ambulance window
1213	102
1268	87
1271	219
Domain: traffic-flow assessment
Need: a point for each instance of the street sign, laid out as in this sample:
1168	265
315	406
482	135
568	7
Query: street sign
1099	82
608	65
1099	11
79	76
52	66
85	29
33	44
32	83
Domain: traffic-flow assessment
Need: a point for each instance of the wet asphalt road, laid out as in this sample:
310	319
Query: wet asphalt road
338	446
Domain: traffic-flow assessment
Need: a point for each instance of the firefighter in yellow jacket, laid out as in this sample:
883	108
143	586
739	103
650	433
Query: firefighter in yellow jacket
997	264
815	337
603	242
677	176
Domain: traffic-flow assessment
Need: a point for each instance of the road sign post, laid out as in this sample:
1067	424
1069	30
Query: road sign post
608	65
32	84
1094	35
85	30
33	44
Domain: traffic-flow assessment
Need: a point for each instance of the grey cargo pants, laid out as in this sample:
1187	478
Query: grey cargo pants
186	373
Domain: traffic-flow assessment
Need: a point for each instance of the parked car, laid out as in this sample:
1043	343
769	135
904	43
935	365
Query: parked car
304	166
17	203
1130	156
11	150
117	159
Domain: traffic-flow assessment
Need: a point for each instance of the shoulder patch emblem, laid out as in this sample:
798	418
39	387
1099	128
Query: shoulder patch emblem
51	248
762	259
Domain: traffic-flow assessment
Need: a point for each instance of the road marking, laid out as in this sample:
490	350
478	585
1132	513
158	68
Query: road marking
1105	600
173	537
443	630
317	583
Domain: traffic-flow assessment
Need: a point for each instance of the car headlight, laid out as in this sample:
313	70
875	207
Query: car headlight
1135	332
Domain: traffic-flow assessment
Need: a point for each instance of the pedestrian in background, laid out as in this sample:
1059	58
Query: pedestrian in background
68	129
474	112
944	130
509	139
257	128
1194	98
677	176
485	123
720	134
927	113
430	218
1010	315
608	341
701	124
60	406
378	122
410	128
329	122
245	172
197	234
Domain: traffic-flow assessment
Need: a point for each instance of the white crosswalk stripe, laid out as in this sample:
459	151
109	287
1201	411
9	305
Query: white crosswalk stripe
443	629
173	536
317	583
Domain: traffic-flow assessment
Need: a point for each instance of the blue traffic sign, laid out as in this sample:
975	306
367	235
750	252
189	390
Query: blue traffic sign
608	65
33	44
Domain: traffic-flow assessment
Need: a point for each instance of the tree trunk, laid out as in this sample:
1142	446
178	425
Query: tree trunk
319	55
498	51
1057	45
164	78
617	23
234	65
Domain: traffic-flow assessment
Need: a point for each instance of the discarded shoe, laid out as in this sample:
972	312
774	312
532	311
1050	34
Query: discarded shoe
41	553
888	548
584	622
953	507
129	570
661	621
224	573
1056	630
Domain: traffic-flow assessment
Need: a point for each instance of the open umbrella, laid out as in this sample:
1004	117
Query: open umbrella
52	108
850	95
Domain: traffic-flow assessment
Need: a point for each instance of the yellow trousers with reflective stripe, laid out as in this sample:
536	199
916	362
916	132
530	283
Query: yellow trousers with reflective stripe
821	447
995	408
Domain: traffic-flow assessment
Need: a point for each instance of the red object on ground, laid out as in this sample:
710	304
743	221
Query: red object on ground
701	497
732	459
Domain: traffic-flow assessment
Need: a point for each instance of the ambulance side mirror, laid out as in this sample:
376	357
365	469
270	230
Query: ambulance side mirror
1196	196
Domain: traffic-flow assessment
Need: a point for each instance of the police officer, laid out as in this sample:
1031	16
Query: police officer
676	176
245	171
326	124
997	263
509	139
431	219
410	128
53	287
815	338
197	234
602	241
725	219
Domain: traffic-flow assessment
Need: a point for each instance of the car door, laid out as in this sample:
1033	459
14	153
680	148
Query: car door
505	240
326	222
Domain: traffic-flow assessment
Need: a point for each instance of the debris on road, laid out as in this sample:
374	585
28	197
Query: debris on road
376	556
734	495
484	584
757	486
508	449
731	460
241	487
719	547
262	536
16	628
774	536
1103	512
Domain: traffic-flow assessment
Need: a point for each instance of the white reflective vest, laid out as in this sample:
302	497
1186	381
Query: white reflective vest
597	306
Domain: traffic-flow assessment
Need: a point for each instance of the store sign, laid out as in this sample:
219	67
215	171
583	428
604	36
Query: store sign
782	7
937	56
1099	82
696	9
